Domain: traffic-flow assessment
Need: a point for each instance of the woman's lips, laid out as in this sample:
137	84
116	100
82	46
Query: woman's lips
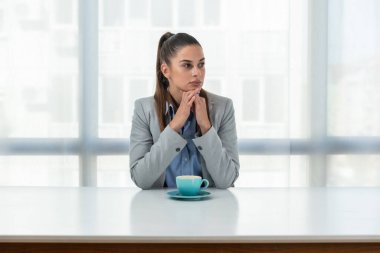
196	83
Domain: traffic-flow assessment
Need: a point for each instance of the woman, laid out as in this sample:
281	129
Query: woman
182	130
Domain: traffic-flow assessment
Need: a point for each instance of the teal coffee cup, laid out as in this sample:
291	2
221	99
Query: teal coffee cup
190	185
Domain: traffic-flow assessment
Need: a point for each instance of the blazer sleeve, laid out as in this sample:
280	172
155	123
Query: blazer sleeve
148	160
220	151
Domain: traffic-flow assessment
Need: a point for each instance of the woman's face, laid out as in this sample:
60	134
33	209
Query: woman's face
186	71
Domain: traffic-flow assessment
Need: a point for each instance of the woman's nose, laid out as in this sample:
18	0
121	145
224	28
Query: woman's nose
195	71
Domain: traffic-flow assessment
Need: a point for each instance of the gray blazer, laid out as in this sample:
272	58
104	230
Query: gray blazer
151	151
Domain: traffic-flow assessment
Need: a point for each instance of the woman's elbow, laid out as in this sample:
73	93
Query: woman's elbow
141	184
140	181
224	185
227	183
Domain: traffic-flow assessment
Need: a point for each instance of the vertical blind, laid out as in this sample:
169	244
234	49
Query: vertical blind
303	76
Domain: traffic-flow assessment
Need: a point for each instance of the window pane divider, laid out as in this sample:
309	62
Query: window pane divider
318	59
112	146
89	72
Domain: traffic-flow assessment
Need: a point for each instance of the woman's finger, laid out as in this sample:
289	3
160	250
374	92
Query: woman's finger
191	101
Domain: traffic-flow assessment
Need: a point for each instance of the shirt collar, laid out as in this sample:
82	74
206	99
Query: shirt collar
170	109
171	106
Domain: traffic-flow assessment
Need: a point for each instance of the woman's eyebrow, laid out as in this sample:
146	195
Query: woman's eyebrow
188	61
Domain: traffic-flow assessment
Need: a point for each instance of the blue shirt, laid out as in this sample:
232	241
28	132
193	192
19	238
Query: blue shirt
187	161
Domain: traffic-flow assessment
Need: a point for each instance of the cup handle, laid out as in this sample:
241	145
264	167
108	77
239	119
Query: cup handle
206	184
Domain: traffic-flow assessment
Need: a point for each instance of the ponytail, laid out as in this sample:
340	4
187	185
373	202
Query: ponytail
162	83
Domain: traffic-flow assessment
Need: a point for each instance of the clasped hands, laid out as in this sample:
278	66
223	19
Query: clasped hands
191	101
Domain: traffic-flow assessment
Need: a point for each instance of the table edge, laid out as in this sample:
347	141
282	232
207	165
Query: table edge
187	239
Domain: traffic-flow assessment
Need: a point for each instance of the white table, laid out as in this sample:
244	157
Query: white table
238	215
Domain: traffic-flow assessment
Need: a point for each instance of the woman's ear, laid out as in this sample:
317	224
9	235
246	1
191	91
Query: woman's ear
165	70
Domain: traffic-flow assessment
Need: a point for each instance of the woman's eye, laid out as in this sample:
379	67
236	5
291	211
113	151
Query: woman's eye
201	65
187	65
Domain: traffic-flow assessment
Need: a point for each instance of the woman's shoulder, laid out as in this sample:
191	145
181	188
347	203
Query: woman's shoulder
145	103
143	100
217	99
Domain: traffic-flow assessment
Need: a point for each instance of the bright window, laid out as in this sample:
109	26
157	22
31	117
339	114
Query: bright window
303	76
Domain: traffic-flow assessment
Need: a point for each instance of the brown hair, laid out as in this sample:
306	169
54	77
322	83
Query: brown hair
168	46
